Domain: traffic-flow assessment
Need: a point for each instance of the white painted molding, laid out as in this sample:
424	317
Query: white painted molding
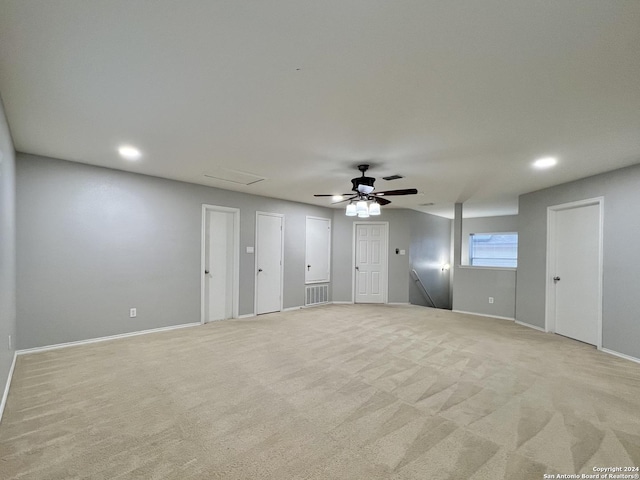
477	267
5	395
235	291
315	305
531	326
46	348
247	315
550	291
289	309
484	315
621	355
257	254
342	303
398	303
385	296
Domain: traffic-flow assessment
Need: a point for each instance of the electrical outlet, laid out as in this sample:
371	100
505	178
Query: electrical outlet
10	343
133	312
490	299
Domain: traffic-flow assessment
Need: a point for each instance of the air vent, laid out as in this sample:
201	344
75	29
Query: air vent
233	176
316	294
393	177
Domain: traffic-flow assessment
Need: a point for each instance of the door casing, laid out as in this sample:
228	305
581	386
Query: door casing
324	223
255	296
550	298
385	294
236	259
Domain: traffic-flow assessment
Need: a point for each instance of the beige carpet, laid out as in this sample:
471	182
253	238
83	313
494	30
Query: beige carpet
335	392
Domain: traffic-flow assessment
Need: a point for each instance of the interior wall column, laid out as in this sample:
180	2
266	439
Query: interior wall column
457	235
457	248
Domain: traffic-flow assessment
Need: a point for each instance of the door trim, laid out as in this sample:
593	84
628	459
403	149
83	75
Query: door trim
306	259
550	297
236	258
385	293
255	262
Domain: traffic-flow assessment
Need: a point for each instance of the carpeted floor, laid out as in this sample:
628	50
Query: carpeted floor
335	392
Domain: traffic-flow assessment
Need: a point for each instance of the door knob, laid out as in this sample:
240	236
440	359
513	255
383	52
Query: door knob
259	270
357	268
556	279
206	272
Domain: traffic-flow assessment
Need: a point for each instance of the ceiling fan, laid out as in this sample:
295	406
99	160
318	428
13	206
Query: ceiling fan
363	191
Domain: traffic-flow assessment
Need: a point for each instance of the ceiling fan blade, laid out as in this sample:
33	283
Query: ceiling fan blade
383	201
405	191
332	194
345	200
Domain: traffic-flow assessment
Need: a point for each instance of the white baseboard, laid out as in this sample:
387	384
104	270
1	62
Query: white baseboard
289	309
484	315
621	355
5	395
535	327
342	303
398	303
103	339
247	315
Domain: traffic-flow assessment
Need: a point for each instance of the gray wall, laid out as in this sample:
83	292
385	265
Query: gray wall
621	302
93	242
408	230
501	224
7	250
430	249
472	286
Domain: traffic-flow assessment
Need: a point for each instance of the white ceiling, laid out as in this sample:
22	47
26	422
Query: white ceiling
458	96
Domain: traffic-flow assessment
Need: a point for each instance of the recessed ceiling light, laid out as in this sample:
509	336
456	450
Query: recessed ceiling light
337	198
545	162
128	152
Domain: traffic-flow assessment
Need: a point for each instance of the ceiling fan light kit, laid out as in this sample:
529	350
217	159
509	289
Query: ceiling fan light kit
368	202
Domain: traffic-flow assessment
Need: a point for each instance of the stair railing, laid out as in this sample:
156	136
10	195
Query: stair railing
422	289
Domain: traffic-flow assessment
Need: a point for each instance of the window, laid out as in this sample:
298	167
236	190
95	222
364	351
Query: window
493	250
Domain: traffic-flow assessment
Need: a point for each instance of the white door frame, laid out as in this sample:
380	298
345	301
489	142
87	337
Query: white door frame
385	293
306	259
550	300
255	267
236	259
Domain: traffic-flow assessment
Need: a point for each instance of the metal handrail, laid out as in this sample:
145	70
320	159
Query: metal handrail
423	289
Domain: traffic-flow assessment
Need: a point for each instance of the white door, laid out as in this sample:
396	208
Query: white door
576	273
269	251
370	263
317	250
220	263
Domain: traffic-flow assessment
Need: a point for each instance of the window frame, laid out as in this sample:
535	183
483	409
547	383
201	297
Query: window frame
489	259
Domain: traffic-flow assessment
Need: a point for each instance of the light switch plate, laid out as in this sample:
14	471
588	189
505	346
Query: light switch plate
402	252
249	249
